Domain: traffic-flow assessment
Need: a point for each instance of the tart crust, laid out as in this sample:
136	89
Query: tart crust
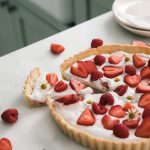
85	138
28	87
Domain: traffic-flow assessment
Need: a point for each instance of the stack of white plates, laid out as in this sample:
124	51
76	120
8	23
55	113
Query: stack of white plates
134	15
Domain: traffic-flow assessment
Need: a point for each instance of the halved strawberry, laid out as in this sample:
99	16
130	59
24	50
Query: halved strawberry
139	43
68	99
121	90
109	122
56	48
132	81
5	144
52	78
117	111
131	123
143	88
112	72
138	61
79	71
127	106
106	98
60	86
145	73
86	118
76	85
144	129
90	66
99	60
144	100
130	69
146	112
115	59
95	75
121	130
99	109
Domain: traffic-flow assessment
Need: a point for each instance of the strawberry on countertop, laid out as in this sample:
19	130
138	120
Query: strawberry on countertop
5	144
56	48
109	122
96	43
86	118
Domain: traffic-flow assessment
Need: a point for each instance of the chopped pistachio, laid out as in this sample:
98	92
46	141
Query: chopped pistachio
43	86
89	101
117	79
127	59
129	97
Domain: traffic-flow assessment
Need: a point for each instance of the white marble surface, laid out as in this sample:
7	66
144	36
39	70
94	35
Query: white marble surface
35	129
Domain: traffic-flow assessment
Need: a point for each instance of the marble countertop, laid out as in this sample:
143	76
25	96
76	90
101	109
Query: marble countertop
35	129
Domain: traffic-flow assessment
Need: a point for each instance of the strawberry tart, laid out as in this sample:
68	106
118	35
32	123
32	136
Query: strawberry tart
103	100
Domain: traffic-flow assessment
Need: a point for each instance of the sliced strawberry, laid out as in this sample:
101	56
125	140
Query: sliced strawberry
121	90
99	60
130	69
132	81
99	109
143	88
108	122
68	99
60	86
95	75
56	48
121	130
144	129
117	111
52	78
79	71
127	106
5	144
112	72
146	112
131	123
139	43
145	73
90	66
144	100
86	118
96	43
106	98
76	85
115	59
138	61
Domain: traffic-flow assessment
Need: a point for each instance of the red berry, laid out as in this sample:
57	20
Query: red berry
130	69
52	78
99	109
121	90
99	60
145	72
138	61
106	98
144	100
146	112
56	48
5	144
95	75
131	123
121	130
96	43
115	59
109	122
89	66
149	63
10	116
60	86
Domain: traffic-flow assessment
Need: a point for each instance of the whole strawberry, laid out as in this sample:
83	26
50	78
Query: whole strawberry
99	60
10	116
130	69
56	48
96	43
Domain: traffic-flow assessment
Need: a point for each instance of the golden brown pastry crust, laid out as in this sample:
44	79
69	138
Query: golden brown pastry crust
85	138
29	85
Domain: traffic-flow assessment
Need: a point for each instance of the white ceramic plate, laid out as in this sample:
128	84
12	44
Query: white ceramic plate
145	33
133	13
